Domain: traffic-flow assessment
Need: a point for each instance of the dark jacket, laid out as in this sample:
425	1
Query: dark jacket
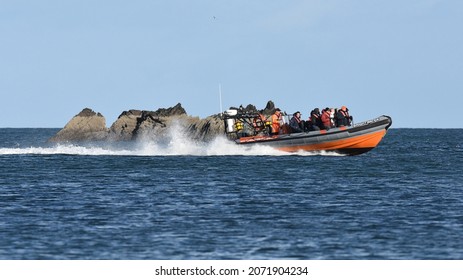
342	118
295	124
315	119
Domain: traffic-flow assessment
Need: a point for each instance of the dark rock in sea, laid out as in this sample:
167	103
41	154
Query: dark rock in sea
140	125
122	129
269	109
205	129
177	110
85	126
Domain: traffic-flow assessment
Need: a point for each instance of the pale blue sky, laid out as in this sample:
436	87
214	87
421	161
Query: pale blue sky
400	58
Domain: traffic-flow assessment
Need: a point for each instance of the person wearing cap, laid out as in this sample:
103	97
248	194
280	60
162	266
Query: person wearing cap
296	124
276	121
342	117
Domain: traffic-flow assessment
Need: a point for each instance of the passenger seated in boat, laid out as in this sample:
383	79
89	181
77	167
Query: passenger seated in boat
333	117
342	117
277	119
296	124
326	119
314	122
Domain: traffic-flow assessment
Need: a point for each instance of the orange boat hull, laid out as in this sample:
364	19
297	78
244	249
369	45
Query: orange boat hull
362	143
352	140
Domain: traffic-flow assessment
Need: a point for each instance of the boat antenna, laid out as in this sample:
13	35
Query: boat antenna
220	98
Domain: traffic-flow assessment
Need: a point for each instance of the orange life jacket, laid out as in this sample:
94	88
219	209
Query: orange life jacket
276	118
326	119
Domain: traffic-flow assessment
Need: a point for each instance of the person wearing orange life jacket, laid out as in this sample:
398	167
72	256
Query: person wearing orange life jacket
276	122
326	118
342	117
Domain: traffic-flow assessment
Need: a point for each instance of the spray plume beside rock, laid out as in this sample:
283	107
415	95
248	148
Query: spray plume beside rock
139	124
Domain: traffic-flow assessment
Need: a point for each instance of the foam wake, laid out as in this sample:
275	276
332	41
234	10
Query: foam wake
175	144
218	147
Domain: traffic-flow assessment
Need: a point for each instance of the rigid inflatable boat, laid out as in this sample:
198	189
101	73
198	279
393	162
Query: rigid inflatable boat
241	127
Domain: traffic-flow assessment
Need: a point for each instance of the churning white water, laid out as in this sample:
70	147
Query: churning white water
175	143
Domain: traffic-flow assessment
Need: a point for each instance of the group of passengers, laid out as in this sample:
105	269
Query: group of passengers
326	119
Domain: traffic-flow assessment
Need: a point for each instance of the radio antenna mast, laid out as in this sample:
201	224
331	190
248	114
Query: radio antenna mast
220	98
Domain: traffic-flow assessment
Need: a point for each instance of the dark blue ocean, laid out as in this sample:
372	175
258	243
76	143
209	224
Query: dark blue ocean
183	200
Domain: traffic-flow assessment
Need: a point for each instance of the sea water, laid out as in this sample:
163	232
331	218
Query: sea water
187	200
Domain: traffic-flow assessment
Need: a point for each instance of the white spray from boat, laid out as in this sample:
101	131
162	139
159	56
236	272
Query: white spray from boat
176	143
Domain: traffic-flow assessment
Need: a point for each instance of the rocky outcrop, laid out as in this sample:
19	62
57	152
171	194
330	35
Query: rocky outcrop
161	128
268	111
139	125
134	124
177	110
85	126
206	129
151	125
122	129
